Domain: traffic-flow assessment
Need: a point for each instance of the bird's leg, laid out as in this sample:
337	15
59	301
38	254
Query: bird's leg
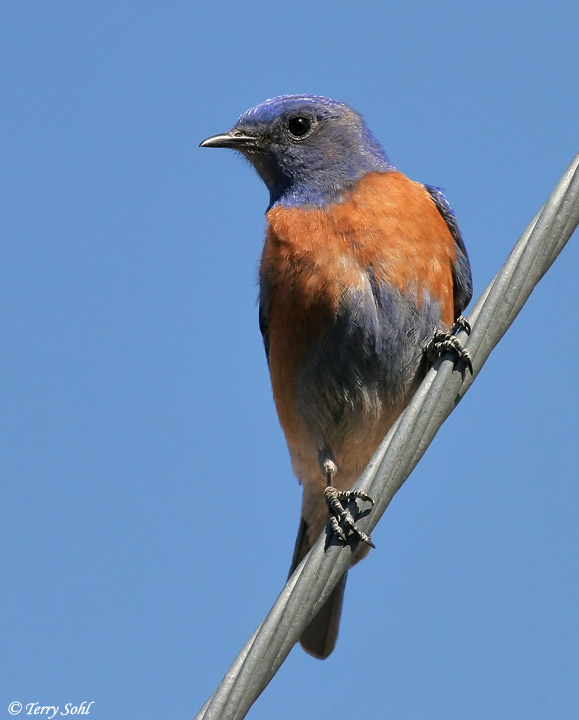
443	342
341	518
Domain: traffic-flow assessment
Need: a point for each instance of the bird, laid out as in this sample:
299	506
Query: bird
363	276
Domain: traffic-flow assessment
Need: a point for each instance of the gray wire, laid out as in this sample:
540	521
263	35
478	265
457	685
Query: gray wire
400	451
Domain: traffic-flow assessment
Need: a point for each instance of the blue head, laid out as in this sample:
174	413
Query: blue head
308	150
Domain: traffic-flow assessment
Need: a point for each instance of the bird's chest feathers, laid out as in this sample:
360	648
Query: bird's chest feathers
307	265
388	225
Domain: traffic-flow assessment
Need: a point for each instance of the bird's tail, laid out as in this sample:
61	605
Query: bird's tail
319	638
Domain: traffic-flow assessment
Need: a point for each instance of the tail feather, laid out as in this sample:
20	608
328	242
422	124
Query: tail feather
319	638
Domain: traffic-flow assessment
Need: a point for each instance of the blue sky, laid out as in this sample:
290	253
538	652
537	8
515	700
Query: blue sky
149	510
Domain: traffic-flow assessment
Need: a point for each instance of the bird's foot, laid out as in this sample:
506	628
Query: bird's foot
341	519
444	342
461	323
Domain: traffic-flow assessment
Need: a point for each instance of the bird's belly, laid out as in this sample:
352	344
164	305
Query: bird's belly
341	381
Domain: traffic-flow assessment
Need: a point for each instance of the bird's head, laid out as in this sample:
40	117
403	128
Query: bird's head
308	150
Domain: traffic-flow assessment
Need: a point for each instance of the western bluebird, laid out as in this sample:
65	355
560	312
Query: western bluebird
363	273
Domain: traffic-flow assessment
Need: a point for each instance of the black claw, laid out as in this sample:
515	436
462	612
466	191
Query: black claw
365	538
336	527
461	323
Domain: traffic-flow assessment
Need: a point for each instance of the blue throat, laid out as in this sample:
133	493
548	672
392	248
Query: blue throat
324	185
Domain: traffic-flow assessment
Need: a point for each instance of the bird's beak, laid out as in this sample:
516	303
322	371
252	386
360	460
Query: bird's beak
235	139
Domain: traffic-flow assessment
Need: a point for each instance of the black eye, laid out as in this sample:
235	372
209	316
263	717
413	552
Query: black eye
299	126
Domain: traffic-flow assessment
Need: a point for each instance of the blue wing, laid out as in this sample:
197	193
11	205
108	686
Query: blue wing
461	273
264	300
